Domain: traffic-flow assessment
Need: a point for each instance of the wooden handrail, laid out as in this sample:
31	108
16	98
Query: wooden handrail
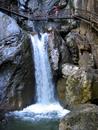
88	16
93	17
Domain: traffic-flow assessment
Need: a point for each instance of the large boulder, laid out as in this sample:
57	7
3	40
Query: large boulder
84	117
67	70
77	86
16	66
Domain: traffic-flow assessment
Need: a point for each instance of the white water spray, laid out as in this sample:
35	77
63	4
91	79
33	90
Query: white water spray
46	105
75	4
43	76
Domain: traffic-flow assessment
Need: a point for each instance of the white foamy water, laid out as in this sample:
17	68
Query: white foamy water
43	76
75	3
37	112
46	105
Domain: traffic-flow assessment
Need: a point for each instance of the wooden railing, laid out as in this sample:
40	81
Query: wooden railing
87	16
13	9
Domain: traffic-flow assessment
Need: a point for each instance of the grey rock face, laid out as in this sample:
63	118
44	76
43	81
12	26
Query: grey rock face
8	26
58	52
78	88
37	5
16	66
78	83
72	47
68	69
9	47
84	117
40	8
75	86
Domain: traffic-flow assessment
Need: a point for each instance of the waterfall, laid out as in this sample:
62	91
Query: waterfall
43	76
75	3
46	106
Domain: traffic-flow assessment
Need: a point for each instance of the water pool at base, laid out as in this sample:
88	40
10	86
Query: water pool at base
46	113
18	124
35	117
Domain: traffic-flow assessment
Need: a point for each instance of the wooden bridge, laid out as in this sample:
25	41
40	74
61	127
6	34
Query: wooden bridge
88	17
12	9
84	15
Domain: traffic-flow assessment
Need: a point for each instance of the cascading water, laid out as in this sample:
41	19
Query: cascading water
75	4
46	106
44	84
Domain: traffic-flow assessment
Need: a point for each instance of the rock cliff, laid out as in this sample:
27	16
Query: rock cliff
16	71
73	54
82	118
77	86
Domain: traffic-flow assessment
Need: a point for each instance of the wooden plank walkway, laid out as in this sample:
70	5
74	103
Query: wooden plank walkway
88	17
27	15
84	15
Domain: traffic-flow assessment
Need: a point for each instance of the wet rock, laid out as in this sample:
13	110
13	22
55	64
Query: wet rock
61	89
78	88
42	5
84	117
94	88
95	54
73	47
16	65
2	117
40	8
9	48
58	52
75	87
79	83
67	71
86	60
8	27
54	59
4	107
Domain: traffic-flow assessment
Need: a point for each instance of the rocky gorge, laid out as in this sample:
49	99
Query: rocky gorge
73	54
